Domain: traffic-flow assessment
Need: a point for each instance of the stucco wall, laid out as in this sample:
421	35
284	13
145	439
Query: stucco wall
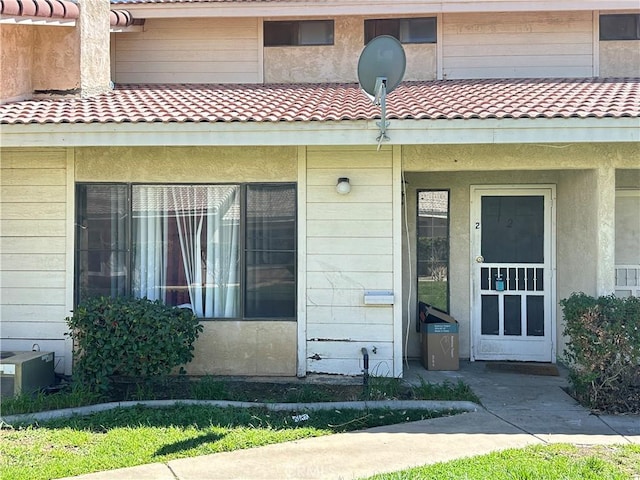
339	62
619	58
16	56
520	157
94	55
186	164
245	348
56	61
38	58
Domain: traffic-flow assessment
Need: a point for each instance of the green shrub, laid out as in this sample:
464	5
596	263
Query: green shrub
603	351
129	337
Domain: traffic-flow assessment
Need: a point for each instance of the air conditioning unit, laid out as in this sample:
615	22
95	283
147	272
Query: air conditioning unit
25	372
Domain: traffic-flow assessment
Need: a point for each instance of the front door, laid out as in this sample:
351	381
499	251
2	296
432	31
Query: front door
512	283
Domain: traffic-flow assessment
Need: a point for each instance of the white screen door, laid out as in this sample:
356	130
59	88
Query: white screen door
512	286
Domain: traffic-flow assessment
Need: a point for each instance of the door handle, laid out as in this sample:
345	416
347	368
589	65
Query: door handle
480	259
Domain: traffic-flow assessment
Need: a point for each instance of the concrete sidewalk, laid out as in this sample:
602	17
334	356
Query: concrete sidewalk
519	410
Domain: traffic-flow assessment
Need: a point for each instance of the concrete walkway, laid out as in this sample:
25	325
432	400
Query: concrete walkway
519	410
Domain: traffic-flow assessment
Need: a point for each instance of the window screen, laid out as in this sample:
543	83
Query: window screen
406	30
620	27
298	33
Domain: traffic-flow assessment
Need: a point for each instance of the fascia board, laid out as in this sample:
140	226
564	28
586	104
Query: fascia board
129	29
52	22
400	132
366	8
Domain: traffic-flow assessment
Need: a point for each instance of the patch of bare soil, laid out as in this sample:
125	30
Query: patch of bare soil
236	390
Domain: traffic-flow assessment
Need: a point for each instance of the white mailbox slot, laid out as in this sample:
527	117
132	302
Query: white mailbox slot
378	297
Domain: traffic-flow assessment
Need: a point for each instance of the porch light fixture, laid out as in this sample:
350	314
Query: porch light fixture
343	186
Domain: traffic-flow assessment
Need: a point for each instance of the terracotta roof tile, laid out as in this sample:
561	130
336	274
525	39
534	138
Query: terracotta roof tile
435	100
120	18
56	9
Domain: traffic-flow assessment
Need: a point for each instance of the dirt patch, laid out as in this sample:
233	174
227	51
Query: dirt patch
236	390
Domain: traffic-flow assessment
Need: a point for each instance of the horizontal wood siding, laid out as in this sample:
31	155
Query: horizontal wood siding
192	50
518	45
33	250
349	250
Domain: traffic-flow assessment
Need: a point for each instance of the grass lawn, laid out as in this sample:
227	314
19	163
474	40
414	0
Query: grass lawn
212	388
139	435
549	462
135	436
434	293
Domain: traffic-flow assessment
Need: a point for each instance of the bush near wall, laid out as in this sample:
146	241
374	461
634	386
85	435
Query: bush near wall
603	351
131	337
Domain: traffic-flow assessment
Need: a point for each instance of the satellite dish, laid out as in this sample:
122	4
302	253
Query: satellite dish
380	69
382	57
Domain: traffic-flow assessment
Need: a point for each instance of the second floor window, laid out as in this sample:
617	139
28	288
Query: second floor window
406	30
298	33
620	27
224	251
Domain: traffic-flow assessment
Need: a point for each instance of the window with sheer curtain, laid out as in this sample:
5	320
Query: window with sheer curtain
223	251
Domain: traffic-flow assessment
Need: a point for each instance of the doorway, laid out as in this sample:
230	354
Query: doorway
512	266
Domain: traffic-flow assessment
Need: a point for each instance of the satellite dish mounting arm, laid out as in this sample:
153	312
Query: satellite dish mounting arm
380	98
380	69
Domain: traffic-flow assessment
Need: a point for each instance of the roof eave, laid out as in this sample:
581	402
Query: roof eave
400	132
364	7
55	22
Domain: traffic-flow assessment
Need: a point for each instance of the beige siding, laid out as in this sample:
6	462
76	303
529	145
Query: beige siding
190	50
619	58
339	62
349	250
518	45
34	251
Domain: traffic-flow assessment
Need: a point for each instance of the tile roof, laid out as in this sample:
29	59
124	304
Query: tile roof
434	100
120	18
55	9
